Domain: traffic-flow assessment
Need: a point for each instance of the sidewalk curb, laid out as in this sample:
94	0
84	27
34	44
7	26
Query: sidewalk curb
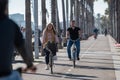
111	42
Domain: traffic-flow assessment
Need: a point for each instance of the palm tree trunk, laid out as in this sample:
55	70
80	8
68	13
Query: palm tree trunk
67	14
64	24
83	16
53	12
110	15
71	9
58	27
28	29
118	21
77	12
92	15
36	46
43	5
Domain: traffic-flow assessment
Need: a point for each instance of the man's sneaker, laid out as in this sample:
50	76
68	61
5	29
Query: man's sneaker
47	67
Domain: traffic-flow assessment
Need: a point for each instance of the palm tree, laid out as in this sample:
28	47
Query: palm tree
77	12
83	15
104	22
90	17
43	5
44	10
28	28
67	12
64	24
112	17
53	12
106	11
36	48
118	19
58	26
71	9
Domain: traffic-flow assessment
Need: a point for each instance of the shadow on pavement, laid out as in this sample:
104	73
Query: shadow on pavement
76	76
95	62
21	61
65	75
97	67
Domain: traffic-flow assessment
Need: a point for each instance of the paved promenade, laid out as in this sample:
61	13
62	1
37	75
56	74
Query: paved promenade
99	60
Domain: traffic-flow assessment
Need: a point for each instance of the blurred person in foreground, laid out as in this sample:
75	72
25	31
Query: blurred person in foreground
11	37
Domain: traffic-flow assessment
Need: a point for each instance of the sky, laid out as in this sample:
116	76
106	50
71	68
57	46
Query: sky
18	6
99	7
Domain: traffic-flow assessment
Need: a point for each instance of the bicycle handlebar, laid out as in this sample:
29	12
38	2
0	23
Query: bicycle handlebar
23	70
74	40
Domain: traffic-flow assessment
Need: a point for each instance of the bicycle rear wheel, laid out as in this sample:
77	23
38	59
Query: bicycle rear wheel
74	63
74	60
51	63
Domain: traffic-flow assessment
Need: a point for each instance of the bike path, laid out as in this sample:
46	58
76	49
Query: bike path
98	62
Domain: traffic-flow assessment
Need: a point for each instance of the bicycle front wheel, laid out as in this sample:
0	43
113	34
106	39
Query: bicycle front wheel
51	64
74	59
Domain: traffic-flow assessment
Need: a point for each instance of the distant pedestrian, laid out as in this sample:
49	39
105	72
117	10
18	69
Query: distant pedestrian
95	33
105	32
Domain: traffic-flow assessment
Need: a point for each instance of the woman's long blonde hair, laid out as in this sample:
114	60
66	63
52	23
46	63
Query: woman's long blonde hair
53	28
46	31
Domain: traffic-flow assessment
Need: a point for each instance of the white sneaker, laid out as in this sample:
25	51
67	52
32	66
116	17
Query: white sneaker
47	67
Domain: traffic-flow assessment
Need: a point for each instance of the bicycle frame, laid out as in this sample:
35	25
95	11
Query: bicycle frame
51	62
74	52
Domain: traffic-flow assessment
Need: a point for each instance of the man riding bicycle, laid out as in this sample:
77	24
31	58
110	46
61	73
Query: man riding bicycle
73	33
95	33
10	36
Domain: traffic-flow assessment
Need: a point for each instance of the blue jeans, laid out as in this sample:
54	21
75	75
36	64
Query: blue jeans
69	45
13	76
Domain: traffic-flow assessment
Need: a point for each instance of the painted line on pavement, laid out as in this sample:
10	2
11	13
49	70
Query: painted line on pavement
88	49
116	66
115	62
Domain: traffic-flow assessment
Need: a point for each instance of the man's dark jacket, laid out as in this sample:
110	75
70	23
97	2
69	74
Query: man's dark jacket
10	37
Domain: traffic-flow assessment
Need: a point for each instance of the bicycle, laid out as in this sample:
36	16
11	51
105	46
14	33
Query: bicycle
74	53
51	60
